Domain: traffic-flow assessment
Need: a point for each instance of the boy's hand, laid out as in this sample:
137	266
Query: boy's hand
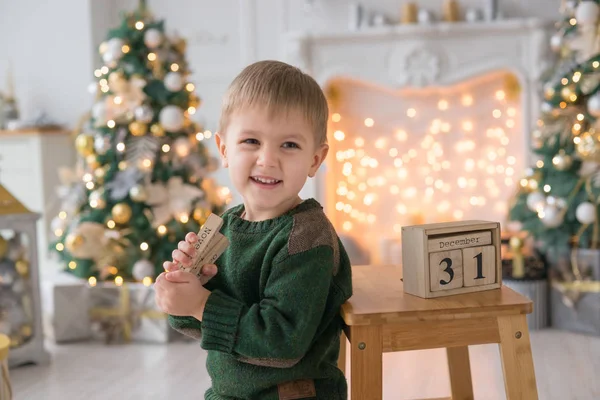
184	296
183	255
185	252
207	272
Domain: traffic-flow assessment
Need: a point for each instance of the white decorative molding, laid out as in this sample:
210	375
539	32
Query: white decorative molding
440	54
420	67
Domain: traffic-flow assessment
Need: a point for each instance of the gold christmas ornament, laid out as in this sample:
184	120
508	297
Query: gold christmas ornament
3	246
549	93
588	147
22	267
157	130
73	242
138	193
121	213
84	144
138	128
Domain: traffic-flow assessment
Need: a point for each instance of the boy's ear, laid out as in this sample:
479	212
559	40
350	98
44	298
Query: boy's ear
318	159
222	149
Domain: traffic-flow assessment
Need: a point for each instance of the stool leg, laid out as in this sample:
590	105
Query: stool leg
460	373
342	356
517	361
366	363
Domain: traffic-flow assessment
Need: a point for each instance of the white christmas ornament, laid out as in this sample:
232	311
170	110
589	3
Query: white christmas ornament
142	269
171	118
593	105
552	216
153	38
587	13
173	81
535	201
586	213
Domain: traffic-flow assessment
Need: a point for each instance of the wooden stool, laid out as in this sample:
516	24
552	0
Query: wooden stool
381	318
5	389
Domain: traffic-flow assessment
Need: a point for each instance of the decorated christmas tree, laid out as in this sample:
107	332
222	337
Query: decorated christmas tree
141	180
557	201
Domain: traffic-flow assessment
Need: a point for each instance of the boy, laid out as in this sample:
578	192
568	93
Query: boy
269	318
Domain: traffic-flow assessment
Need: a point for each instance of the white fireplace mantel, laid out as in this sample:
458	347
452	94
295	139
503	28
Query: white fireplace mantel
435	55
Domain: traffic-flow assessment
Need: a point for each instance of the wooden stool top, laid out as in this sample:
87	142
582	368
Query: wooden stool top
379	299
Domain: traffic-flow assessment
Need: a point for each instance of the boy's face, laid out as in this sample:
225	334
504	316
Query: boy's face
269	159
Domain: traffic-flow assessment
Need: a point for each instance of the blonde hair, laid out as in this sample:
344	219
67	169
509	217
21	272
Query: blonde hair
280	87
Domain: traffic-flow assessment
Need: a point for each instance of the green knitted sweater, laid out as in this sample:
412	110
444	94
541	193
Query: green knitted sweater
272	323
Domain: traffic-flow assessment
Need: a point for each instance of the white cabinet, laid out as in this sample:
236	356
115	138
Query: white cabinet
29	162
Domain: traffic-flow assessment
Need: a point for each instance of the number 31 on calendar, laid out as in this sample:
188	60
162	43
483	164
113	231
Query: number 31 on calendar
451	258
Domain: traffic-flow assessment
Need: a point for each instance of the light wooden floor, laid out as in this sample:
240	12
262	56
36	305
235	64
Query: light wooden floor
567	367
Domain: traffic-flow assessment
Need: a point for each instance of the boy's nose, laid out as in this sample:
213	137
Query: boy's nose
267	158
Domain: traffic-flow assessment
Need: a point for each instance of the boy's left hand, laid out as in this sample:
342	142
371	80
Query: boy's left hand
182	294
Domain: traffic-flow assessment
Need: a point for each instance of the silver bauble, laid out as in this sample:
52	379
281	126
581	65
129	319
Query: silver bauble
585	213
171	118
144	113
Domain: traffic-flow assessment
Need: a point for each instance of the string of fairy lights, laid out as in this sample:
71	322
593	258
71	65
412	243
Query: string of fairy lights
399	169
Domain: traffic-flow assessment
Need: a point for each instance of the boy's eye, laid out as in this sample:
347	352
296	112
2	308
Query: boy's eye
291	145
250	141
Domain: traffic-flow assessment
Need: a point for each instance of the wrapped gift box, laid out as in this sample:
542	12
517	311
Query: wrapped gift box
68	320
128	312
576	306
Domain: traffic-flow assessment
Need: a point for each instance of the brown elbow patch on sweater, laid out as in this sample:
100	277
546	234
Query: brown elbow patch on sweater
312	229
270	362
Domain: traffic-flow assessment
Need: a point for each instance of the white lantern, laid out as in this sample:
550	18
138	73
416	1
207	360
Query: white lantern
587	13
171	118
19	282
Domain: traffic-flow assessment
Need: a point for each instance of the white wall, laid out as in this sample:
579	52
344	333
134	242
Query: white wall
49	46
53	45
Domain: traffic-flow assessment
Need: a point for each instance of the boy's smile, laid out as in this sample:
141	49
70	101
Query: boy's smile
269	159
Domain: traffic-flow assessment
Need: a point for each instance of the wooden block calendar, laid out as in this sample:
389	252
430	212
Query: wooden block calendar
451	258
